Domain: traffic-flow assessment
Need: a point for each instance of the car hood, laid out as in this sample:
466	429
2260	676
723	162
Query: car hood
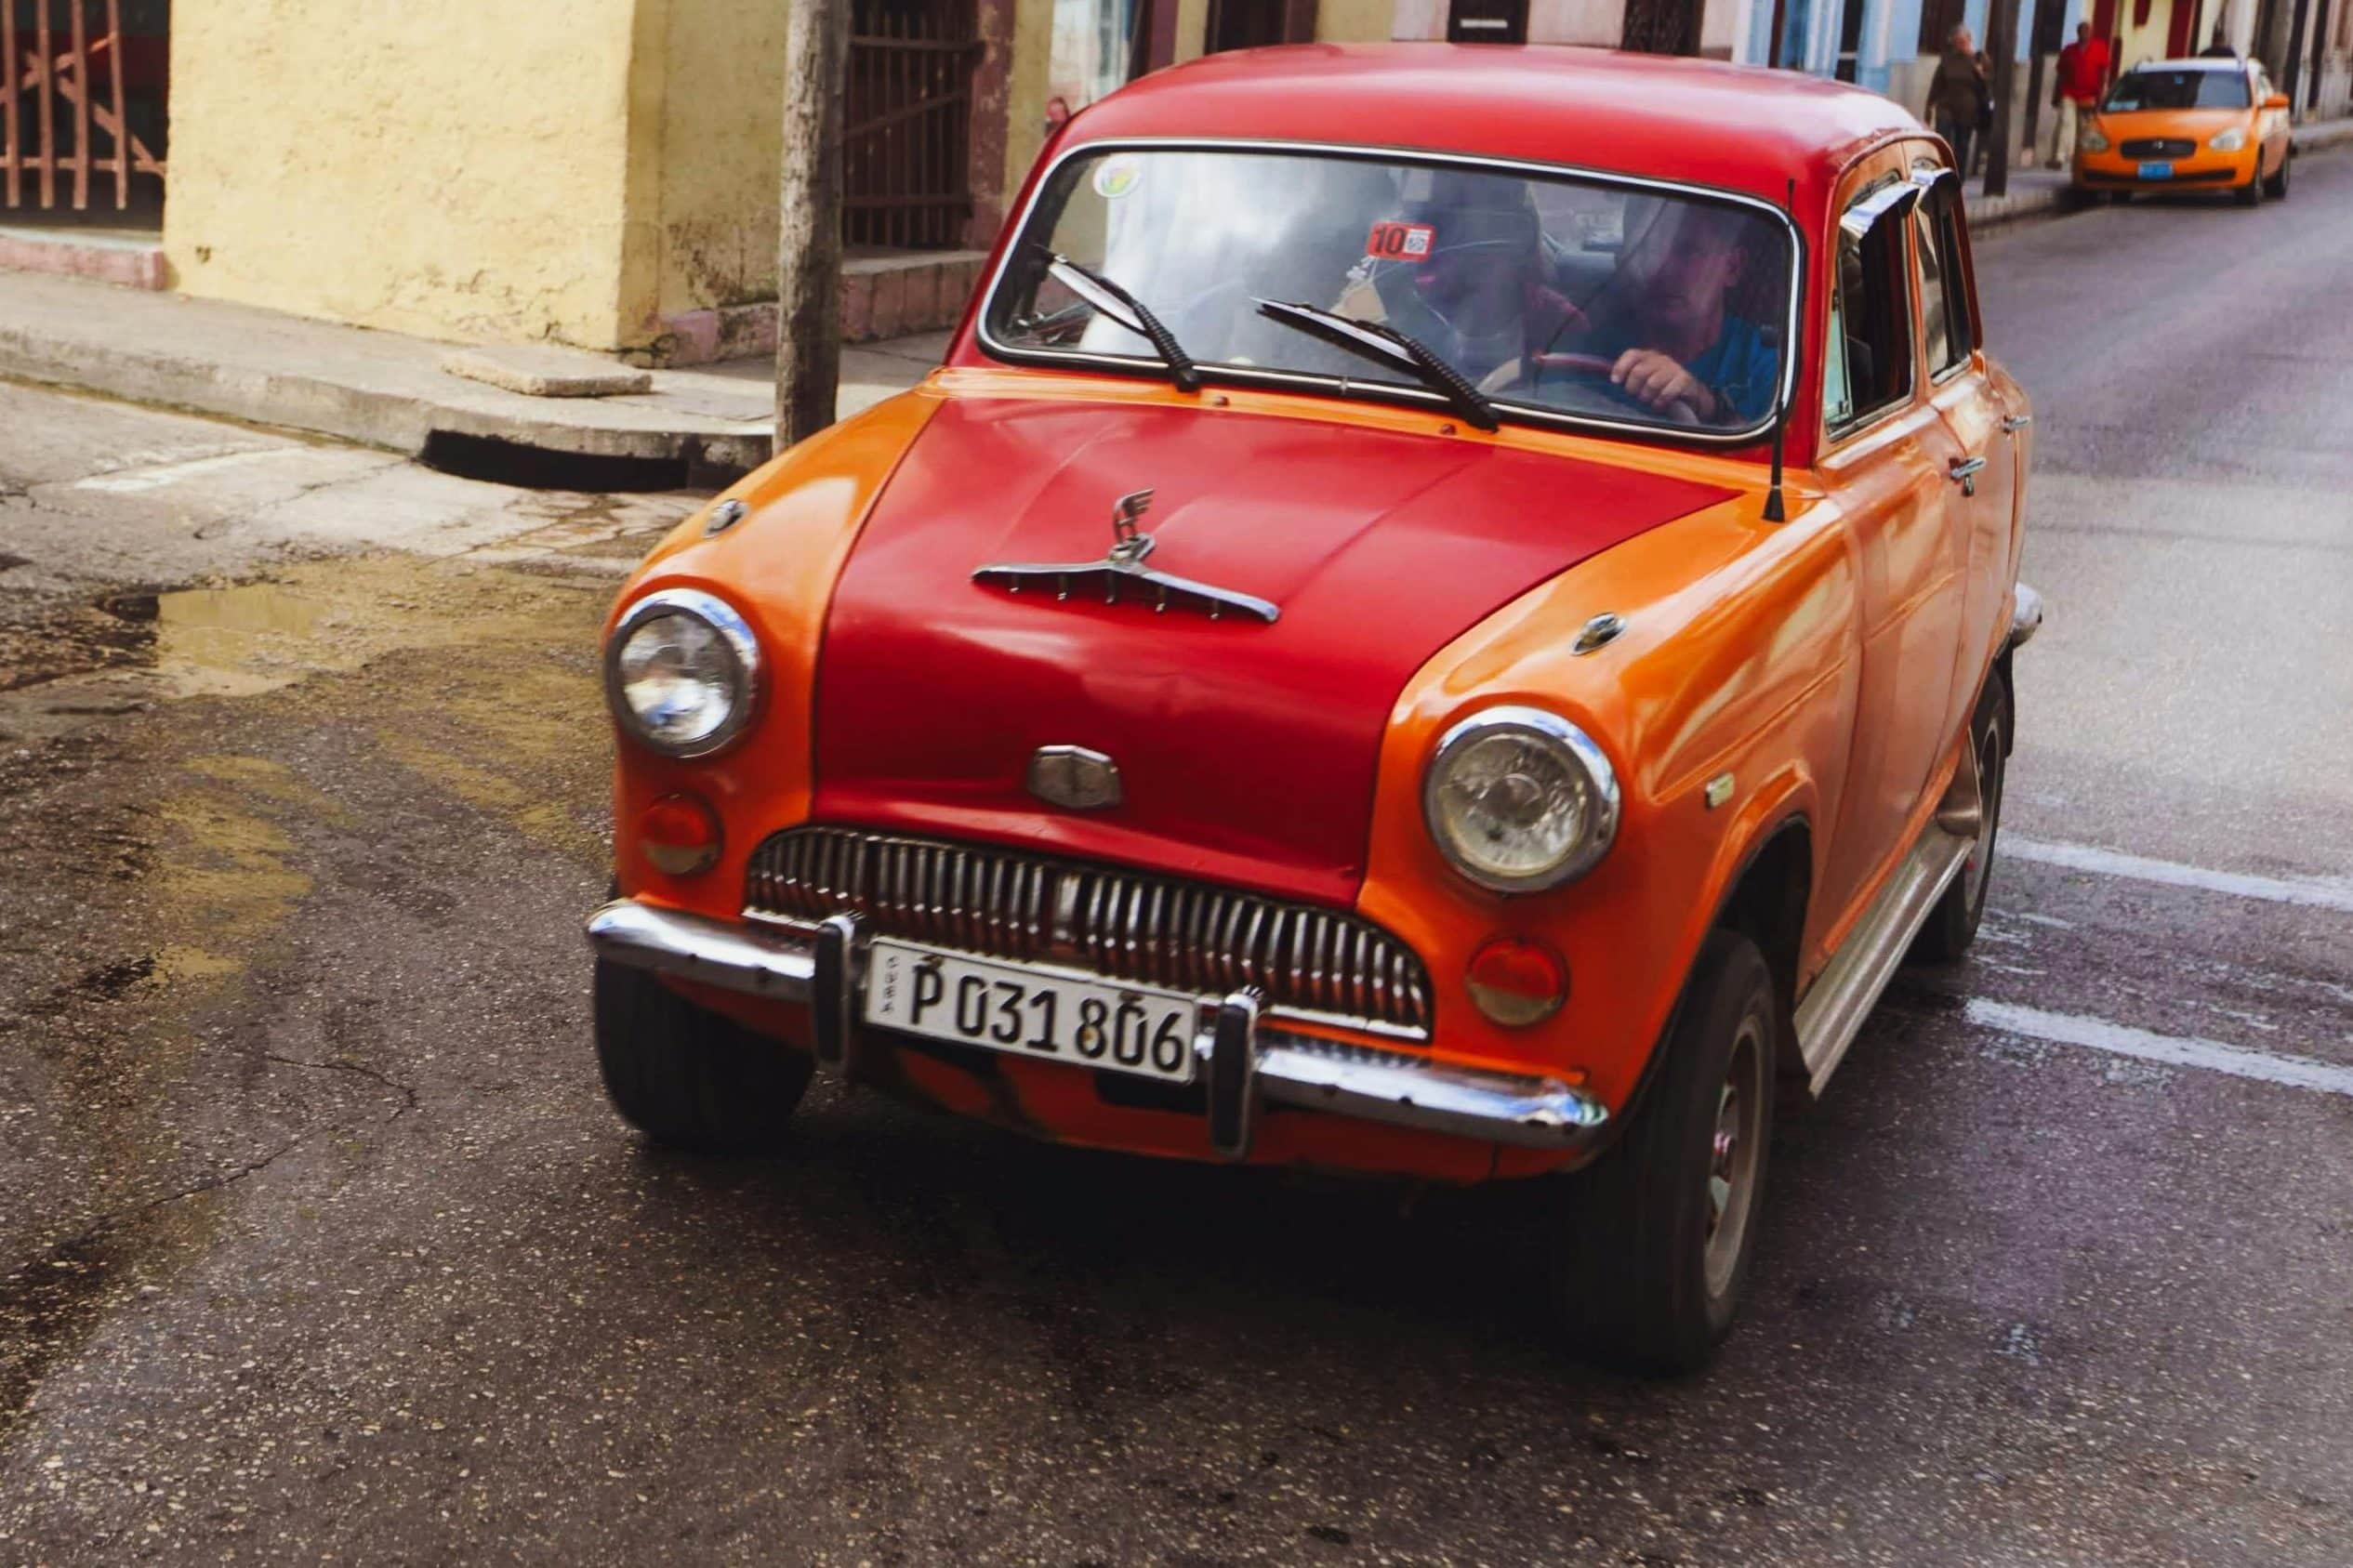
2195	123
1245	751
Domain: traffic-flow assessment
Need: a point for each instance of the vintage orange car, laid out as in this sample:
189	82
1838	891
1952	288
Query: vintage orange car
2188	125
1447	615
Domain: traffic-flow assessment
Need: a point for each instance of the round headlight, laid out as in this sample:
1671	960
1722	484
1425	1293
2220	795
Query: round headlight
1520	799
682	672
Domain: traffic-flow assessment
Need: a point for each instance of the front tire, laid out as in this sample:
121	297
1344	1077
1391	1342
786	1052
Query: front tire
690	1078
1952	926
2277	186
1663	1225
2251	193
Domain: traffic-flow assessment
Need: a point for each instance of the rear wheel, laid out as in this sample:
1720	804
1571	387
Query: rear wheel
1952	926
1662	1226
2277	186
689	1077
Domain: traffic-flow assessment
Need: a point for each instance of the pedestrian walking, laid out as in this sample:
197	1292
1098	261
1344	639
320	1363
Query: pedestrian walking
2083	76
1958	98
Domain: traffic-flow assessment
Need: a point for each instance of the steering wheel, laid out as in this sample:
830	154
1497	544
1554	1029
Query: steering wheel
1600	367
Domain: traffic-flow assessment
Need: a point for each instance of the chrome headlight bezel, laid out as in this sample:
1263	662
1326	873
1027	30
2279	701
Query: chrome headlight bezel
2092	139
1569	745
736	636
2232	141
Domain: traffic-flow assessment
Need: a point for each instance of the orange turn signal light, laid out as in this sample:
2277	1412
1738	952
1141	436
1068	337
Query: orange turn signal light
680	835
1516	982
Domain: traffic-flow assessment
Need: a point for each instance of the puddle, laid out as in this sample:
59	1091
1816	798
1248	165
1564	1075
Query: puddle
237	642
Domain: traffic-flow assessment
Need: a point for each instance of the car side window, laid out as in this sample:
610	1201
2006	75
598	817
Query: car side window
1867	356
1944	294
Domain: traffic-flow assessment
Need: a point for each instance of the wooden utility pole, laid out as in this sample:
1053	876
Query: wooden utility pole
809	219
2001	46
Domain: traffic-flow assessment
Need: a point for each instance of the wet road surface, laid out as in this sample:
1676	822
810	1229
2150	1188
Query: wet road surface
320	1241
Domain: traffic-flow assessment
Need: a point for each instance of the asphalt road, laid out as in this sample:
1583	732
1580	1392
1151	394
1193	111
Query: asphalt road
318	1242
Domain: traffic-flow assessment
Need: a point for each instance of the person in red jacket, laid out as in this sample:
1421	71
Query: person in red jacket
2083	76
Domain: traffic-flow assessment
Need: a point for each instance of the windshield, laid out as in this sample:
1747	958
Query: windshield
2178	89
1547	292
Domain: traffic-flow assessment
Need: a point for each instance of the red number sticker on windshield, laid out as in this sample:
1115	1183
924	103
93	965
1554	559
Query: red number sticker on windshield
1401	242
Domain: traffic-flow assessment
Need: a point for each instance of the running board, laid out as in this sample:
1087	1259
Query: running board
1842	994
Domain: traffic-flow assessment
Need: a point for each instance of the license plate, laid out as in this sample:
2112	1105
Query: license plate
1035	1012
2157	171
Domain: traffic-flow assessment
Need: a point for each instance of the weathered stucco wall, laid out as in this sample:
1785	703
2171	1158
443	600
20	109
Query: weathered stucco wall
447	168
1355	21
722	120
1026	94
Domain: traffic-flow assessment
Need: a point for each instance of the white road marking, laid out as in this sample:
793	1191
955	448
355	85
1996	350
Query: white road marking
2313	892
130	481
2173	1050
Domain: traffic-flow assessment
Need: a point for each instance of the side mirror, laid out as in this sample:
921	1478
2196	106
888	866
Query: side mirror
2276	100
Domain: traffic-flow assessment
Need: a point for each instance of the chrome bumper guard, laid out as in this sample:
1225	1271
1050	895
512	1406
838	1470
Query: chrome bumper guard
1245	1060
2025	615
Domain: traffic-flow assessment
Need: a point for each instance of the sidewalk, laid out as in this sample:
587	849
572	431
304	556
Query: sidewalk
383	390
2039	190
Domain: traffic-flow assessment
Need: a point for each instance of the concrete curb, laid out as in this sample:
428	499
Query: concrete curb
377	388
2327	133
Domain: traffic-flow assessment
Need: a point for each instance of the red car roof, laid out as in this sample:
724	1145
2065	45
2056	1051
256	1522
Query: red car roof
1741	127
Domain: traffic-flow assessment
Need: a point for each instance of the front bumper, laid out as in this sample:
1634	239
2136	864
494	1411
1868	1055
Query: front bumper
1245	1061
2203	170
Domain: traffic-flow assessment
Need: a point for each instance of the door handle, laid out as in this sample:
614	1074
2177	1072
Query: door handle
2013	423
1964	471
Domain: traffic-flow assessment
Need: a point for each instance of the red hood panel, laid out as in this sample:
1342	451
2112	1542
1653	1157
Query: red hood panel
1246	751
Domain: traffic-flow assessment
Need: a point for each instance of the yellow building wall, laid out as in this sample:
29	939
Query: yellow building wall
1026	90
453	168
1355	21
721	137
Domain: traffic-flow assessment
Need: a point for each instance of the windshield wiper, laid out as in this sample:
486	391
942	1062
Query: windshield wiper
1127	310
1377	340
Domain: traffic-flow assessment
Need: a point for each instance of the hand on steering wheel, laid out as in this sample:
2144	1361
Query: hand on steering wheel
1677	407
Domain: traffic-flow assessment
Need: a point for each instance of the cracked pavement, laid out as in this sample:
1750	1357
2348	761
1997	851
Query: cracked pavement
322	1244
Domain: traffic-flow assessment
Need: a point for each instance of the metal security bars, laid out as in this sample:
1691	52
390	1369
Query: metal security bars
61	89
907	155
1309	962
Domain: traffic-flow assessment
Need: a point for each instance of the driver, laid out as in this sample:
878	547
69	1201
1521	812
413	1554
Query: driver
1478	298
1664	325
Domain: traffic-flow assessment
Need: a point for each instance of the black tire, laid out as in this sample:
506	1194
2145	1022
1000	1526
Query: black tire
688	1077
1952	925
2277	186
2251	193
1653	1273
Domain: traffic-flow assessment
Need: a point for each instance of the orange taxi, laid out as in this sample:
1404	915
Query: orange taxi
1447	615
2188	125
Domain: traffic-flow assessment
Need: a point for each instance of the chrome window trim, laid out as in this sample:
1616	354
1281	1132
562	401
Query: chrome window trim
722	618
1929	175
1837	435
1522	413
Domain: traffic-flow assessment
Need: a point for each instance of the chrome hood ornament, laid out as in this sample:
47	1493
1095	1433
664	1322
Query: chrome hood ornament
1123	567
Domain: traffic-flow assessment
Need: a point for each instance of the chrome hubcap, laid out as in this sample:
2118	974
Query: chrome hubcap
1733	1153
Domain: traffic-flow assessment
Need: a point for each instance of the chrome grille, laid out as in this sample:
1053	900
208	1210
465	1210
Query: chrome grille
1188	936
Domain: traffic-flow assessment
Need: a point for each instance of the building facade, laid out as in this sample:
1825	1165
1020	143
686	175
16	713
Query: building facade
602	173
